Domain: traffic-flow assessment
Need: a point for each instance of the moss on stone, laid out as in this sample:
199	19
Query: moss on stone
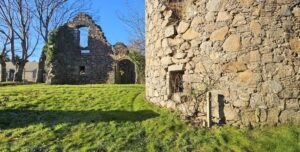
139	61
50	47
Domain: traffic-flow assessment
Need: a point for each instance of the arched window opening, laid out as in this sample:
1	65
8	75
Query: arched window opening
125	73
84	37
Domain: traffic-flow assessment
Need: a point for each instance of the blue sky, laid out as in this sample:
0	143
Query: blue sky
113	28
105	13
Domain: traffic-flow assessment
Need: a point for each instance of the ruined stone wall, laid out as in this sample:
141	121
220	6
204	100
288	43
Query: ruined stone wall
70	61
245	52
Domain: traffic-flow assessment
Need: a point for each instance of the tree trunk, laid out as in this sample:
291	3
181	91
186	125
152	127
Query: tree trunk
12	46
20	72
3	71
41	69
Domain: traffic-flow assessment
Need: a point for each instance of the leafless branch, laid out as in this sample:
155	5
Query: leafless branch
135	23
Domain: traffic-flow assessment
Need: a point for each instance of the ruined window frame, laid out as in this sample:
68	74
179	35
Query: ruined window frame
82	70
85	51
84	35
176	82
177	7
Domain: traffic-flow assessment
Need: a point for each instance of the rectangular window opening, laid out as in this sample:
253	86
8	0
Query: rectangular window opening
82	70
177	7
85	51
176	81
84	37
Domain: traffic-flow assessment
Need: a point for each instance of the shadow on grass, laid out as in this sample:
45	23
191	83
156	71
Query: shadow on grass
10	119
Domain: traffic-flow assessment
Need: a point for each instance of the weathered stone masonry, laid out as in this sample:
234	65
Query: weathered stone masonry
245	52
98	62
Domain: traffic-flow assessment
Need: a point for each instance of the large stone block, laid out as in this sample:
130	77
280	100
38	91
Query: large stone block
179	67
292	104
180	55
231	114
246	3
272	87
238	20
190	34
197	21
254	56
166	60
170	31
255	28
232	43
210	17
296	12
273	116
295	44
183	26
248	118
257	101
200	68
223	16
267	58
213	5
290	116
234	67
219	34
249	78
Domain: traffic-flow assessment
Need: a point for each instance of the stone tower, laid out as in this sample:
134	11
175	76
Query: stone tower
243	54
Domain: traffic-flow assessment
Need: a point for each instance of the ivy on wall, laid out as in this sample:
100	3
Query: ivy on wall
50	47
139	61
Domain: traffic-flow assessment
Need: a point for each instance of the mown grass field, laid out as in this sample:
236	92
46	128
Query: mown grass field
116	118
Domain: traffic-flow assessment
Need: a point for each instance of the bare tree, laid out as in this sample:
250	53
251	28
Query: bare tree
7	17
51	14
24	31
135	22
4	41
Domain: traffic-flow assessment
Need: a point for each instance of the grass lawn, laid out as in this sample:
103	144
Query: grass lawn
116	118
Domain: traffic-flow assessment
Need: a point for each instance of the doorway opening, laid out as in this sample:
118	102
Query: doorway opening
11	75
125	72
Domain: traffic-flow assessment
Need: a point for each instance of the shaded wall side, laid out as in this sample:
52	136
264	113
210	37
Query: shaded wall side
97	64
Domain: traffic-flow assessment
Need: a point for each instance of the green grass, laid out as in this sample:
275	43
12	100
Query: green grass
116	118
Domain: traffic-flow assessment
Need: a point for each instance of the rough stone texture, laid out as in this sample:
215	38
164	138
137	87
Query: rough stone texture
245	52
170	31
190	34
255	27
98	62
182	27
232	43
223	16
219	34
295	44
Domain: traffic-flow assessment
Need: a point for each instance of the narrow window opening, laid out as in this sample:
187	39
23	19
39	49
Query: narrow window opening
82	70
84	36
176	81
221	102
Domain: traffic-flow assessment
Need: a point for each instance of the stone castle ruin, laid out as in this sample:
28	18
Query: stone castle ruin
80	54
233	62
